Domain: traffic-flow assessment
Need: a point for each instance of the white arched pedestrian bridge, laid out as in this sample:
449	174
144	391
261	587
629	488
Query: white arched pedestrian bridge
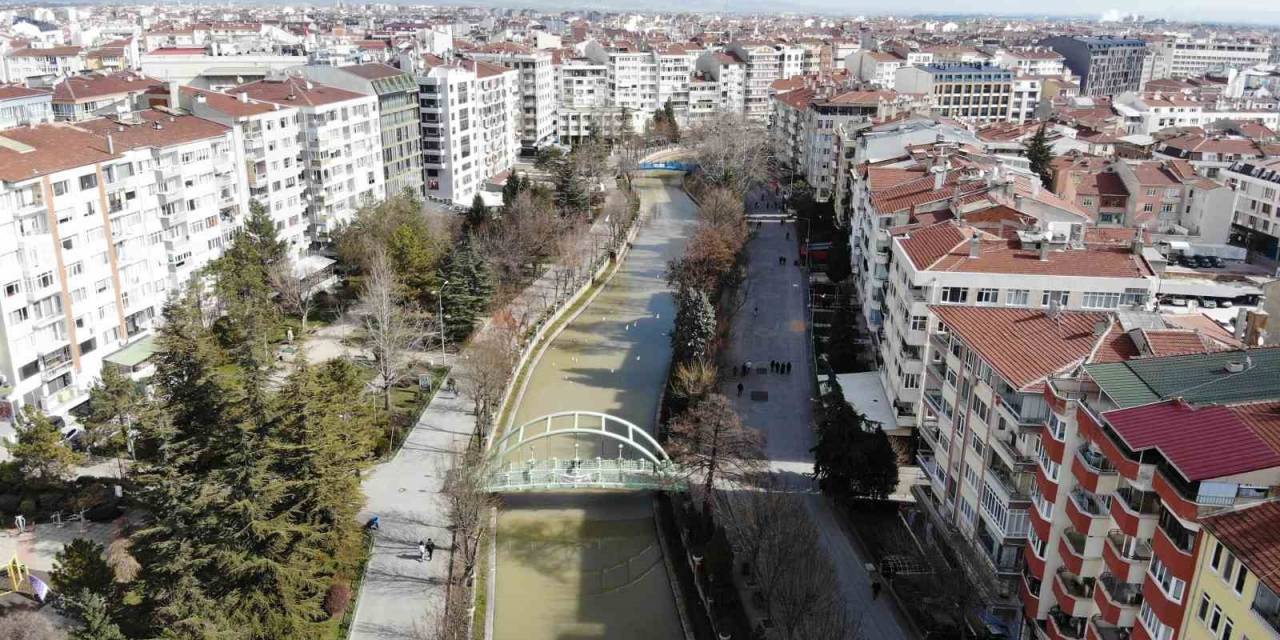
640	462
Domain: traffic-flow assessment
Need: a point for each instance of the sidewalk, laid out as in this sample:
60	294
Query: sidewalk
401	597
772	325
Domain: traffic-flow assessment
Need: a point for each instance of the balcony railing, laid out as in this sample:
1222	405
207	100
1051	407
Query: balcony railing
1129	548
1125	594
1142	502
1075	540
1095	461
1088	503
1067	626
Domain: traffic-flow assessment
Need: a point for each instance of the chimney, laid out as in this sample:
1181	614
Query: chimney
174	103
939	177
1044	250
1137	244
244	96
975	245
111	145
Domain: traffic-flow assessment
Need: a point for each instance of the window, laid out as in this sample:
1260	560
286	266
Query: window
970	475
1017	297
1050	296
1241	575
1202	612
1218	551
1101	300
88	181
12	289
988	296
1057	427
1157	629
1171	586
955	294
60	188
919	323
980	409
951	377
18	316
979	447
910	381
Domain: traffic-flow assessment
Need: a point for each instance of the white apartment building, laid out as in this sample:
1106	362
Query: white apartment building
33	63
196	67
970	92
1183	56
537	90
1147	113
763	64
342	149
674	66
98	94
877	67
729	74
955	263
704	97
450	134
1033	62
1256	212
1026	99
271	136
20	105
97	239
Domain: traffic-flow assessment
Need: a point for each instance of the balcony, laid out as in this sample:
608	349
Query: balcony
1117	600
1189	501
932	470
1075	594
1027	409
1073	546
1135	512
1030	596
1087	513
1015	486
1100	629
937	403
1062	625
1093	471
1266	605
1126	557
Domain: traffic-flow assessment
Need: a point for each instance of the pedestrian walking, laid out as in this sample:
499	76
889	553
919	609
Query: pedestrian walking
20	521
431	548
375	523
744	369
788	235
788	368
422	551
739	389
755	311
875	589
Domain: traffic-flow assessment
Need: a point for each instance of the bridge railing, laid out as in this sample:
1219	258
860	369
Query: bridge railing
594	473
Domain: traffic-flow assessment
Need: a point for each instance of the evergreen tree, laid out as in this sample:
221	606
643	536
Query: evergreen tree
94	612
571	195
242	284
852	458
842	345
628	129
413	259
673	127
469	290
39	450
510	190
477	216
81	566
695	326
839	259
116	403
1040	156
321	449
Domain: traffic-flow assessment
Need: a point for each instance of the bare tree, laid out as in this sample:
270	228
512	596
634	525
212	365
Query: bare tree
709	440
693	379
296	291
619	212
489	363
469	505
732	151
392	329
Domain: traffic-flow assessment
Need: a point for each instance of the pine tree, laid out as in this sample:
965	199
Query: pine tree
510	190
477	216
571	195
695	326
1041	156
413	259
242	284
81	566
39	450
469	290
853	457
94	613
673	127
115	405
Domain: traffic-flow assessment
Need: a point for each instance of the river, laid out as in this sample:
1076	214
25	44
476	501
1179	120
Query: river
588	565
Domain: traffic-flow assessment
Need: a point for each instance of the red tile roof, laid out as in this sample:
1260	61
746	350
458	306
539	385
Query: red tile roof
13	91
171	130
97	85
922	191
1176	342
1024	345
1263	418
1201	442
880	178
928	250
60	52
296	92
372	71
230	105
1250	533
50	150
926	246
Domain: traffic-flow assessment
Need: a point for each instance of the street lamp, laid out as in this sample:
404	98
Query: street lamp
440	303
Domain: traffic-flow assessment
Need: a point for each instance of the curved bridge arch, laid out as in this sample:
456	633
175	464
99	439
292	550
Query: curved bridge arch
528	432
653	470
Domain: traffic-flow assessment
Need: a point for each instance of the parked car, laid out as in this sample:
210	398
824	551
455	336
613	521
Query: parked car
1217	262
1209	303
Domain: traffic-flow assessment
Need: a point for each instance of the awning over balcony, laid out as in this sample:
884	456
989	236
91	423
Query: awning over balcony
135	355
865	392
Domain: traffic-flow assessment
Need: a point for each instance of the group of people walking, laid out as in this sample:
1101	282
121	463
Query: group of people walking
775	366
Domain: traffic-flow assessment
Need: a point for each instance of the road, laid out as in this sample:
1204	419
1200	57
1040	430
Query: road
772	325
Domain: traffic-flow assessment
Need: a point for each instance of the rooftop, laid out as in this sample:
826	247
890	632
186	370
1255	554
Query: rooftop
28	152
154	129
296	92
1196	378
1249	532
1203	442
97	85
946	247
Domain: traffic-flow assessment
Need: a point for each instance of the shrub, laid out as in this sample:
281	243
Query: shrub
338	599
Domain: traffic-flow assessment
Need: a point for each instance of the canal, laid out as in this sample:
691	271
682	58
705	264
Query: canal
588	565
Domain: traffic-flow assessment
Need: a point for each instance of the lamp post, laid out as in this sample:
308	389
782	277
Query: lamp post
440	304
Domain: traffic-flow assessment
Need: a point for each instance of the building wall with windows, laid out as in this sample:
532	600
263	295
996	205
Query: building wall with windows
450	143
978	93
1229	599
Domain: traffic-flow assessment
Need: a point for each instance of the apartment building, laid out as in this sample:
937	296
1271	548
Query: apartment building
1255	217
1148	113
633	79
1236	592
1032	62
971	92
1025	104
97	240
1187	57
537	90
497	110
94	95
876	67
674	66
342	148
1105	65
198	67
762	64
956	263
1133	455
21	105
42	64
1168	196
450	133
729	74
271	136
397	94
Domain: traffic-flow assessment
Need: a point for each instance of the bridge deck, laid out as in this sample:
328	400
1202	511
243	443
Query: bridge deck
595	473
